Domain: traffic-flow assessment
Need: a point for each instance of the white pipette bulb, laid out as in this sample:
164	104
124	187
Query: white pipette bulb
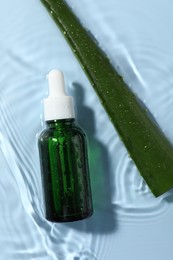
56	83
57	105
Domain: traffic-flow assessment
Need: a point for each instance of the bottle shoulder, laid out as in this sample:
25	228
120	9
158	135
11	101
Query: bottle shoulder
77	130
69	132
43	135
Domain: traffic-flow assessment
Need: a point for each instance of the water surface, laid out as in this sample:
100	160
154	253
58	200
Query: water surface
129	223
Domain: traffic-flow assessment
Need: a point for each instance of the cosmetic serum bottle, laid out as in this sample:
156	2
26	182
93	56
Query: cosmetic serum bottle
63	157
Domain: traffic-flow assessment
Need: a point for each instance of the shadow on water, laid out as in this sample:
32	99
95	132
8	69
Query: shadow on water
104	219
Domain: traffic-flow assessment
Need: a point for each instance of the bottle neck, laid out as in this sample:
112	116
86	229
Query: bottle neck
60	123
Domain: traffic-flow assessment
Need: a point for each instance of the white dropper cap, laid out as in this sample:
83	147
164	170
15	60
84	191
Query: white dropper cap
57	105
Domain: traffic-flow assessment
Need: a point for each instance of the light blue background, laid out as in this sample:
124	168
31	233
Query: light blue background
128	222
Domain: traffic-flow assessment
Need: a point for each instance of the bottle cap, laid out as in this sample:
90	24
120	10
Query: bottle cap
57	105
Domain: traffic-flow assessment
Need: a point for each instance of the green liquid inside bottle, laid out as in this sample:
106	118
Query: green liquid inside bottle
64	166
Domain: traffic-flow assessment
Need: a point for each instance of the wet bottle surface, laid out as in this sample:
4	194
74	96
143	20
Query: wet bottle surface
63	158
65	173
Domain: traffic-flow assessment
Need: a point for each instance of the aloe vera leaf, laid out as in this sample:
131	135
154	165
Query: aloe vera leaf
144	140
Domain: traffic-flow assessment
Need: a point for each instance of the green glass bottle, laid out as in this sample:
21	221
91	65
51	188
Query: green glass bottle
63	158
